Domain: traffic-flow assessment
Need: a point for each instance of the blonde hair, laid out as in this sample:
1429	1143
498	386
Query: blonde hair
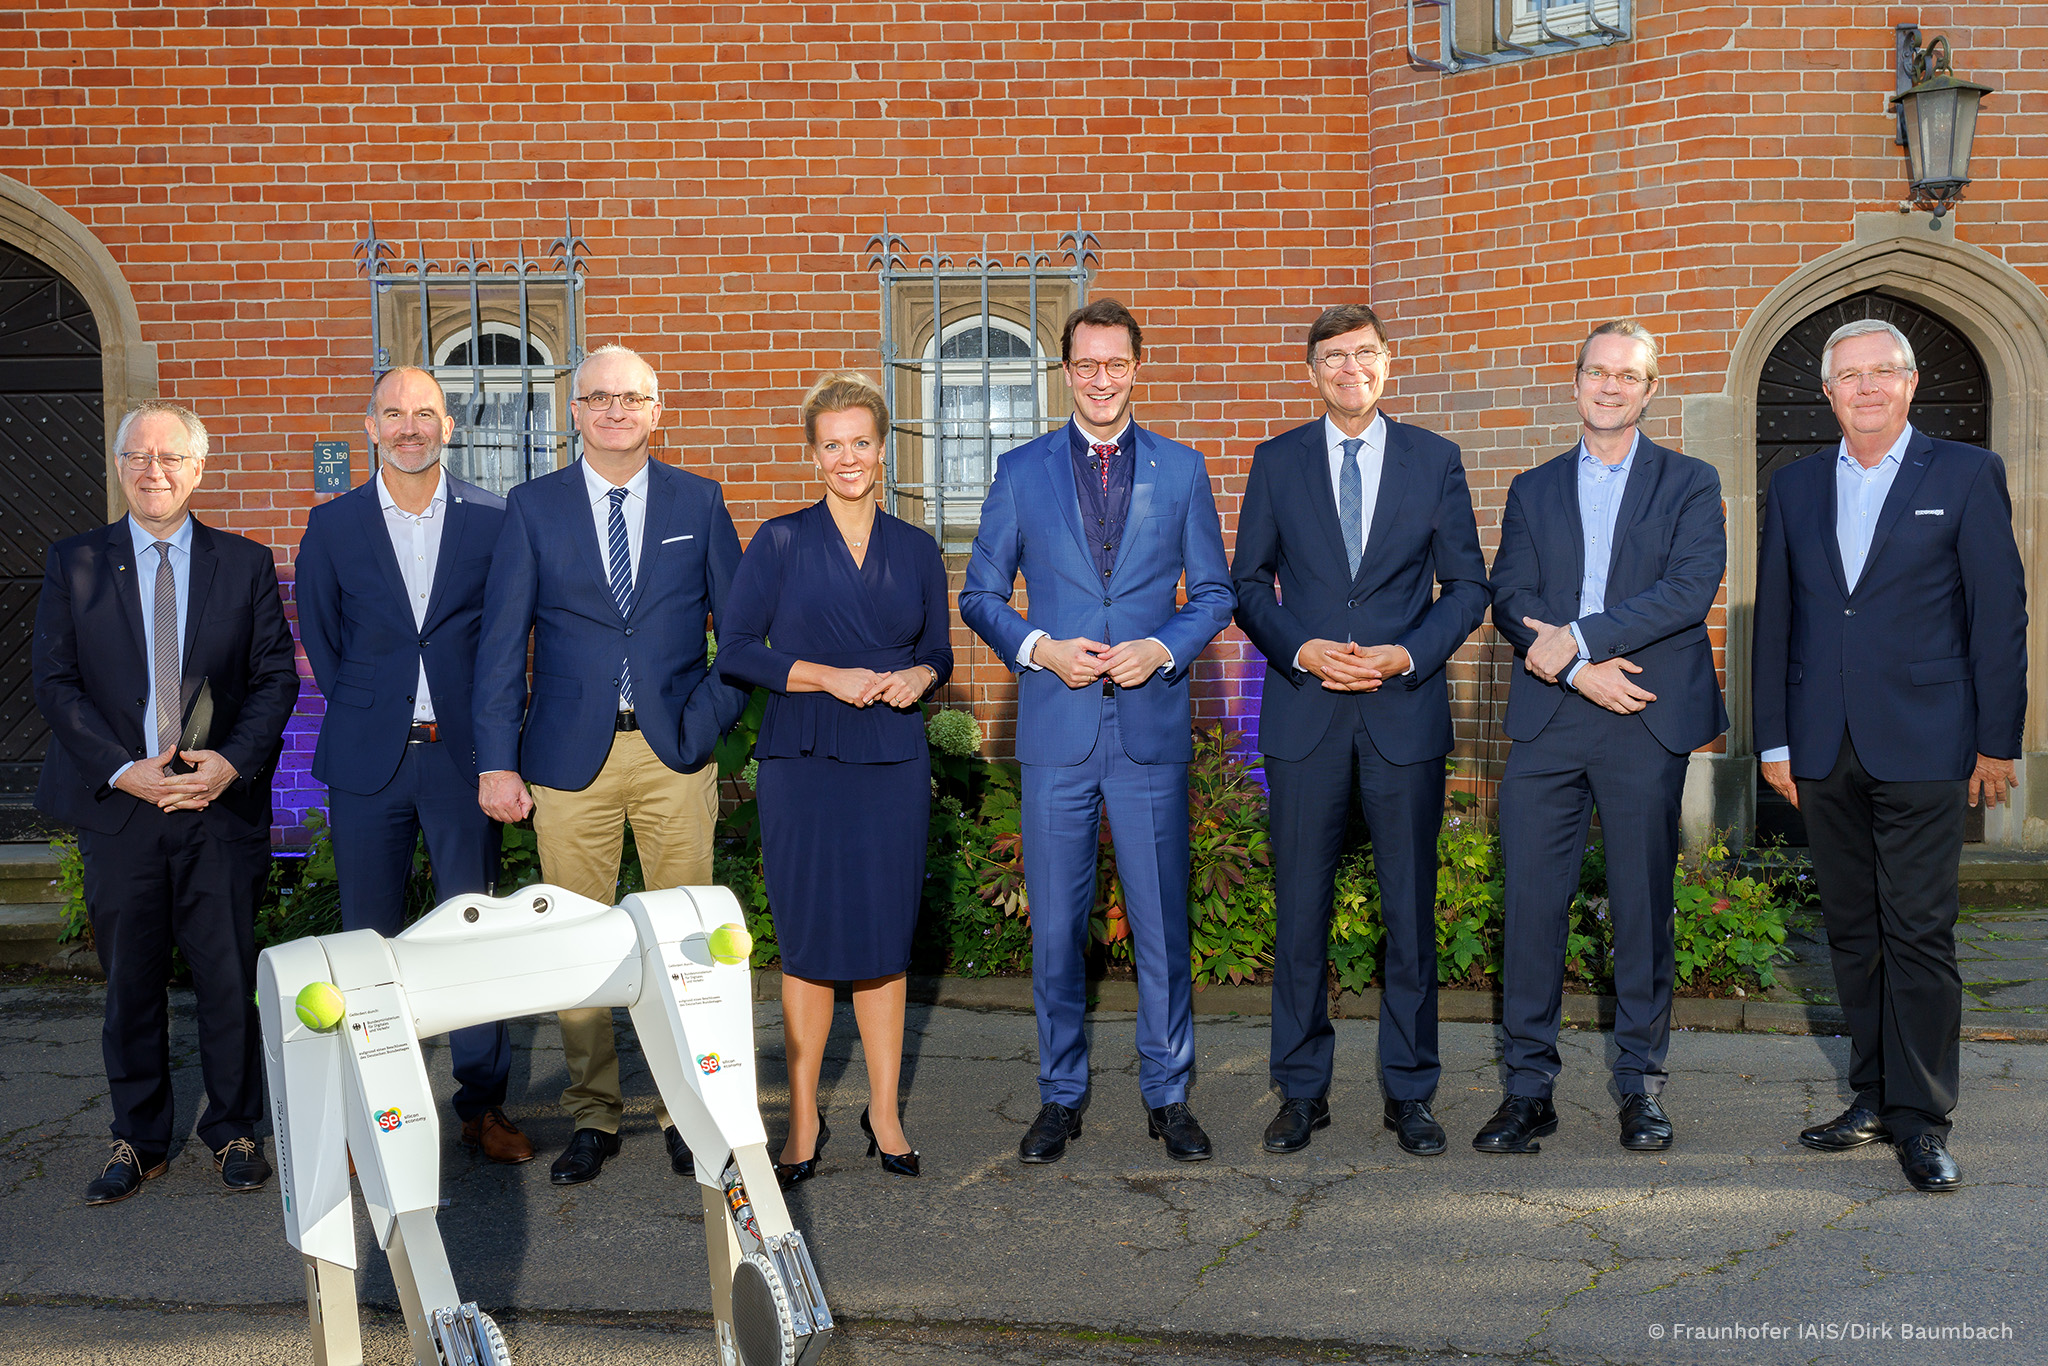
841	391
195	430
1621	327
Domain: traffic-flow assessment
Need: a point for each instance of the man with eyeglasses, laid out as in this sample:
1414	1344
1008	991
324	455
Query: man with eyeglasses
1102	511
390	591
1890	669
612	568
1610	559
1364	527
134	620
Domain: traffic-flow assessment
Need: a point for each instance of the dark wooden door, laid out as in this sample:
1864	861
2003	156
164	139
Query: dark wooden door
1793	419
53	484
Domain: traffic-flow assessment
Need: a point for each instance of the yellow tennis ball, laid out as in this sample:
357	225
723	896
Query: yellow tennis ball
320	1005
731	944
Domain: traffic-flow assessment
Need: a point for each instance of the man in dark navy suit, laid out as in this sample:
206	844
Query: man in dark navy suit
390	592
1104	520
133	619
1890	668
1358	520
612	567
1610	558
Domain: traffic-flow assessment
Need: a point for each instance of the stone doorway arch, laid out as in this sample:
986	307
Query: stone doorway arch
33	224
2004	317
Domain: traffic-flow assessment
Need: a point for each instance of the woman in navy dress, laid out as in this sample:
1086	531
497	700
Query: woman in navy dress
840	612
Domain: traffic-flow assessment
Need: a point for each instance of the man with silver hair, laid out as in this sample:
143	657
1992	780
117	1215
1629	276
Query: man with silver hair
163	665
611	568
1890	676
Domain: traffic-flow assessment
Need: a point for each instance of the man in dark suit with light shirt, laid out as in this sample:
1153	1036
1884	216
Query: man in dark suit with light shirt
391	591
1610	558
1891	687
1364	525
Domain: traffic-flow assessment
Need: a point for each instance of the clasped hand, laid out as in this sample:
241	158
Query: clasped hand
1606	684
1351	667
865	687
151	780
1081	661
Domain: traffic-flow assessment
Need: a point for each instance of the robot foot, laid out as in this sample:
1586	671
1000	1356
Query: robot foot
779	1316
467	1337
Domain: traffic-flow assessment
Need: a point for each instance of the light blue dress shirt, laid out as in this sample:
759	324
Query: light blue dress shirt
1601	486
1859	501
145	588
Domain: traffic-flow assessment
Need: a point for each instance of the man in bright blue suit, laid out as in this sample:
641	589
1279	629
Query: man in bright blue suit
1104	520
390	592
1891	686
1610	558
1364	527
614	569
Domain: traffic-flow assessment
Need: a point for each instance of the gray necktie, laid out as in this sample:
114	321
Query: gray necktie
164	670
1350	503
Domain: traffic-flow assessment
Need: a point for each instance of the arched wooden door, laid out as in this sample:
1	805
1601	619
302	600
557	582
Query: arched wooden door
53	484
1793	419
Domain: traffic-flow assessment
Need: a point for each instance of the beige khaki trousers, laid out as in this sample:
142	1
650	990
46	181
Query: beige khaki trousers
581	835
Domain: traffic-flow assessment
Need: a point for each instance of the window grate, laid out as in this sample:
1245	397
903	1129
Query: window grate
502	340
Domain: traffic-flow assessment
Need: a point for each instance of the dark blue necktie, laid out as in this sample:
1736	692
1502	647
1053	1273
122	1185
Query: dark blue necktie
1350	504
622	581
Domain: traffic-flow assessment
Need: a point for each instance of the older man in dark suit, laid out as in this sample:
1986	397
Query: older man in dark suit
134	620
1610	557
1891	686
391	594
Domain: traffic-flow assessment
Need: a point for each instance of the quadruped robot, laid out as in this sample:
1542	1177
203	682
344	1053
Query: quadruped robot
347	1079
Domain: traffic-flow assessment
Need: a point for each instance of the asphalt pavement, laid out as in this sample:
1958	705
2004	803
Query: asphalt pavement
1736	1246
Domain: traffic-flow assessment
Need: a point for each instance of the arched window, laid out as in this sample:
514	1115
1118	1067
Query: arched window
984	392
502	396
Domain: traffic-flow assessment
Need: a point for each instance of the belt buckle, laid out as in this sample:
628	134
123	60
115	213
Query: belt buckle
625	720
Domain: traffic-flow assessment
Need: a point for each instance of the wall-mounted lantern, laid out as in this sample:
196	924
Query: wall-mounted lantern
1937	115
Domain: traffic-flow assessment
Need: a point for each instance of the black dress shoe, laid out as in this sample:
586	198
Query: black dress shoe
1645	1128
1415	1128
1853	1128
584	1158
1289	1131
1516	1126
241	1165
680	1159
896	1164
123	1175
1928	1165
1176	1123
788	1174
1046	1139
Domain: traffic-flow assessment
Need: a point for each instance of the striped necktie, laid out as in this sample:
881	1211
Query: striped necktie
622	580
164	670
1104	450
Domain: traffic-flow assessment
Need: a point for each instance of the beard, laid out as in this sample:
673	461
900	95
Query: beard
426	459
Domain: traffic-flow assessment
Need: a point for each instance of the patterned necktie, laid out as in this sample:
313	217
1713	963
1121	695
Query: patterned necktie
1350	503
1103	451
622	580
164	671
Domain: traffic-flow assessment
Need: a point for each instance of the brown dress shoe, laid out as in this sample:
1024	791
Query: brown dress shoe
497	1136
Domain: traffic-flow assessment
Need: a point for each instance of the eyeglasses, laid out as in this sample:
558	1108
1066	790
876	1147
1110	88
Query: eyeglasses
1879	375
1115	369
1366	357
1627	379
632	403
139	461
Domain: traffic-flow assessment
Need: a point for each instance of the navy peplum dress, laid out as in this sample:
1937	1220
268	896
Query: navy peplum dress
844	792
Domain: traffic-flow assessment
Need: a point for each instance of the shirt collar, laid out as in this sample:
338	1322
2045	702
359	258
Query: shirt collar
1088	442
1892	457
1374	435
434	504
600	489
1586	456
181	539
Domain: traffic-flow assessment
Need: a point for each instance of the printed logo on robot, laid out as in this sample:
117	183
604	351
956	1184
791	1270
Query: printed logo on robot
711	1062
387	1120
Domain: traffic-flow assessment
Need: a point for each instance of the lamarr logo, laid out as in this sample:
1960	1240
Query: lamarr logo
387	1120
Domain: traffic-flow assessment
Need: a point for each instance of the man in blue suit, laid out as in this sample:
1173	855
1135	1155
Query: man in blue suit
1890	668
1610	558
1104	520
612	568
391	594
1357	521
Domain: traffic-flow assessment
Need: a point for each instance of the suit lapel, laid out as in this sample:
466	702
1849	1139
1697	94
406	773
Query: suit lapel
204	561
1635	496
1313	466
370	525
583	527
1144	482
1397	470
458	514
127	585
1059	470
1830	542
1905	484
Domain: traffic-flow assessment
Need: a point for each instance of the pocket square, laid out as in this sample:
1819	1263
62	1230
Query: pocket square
1930	512
673	539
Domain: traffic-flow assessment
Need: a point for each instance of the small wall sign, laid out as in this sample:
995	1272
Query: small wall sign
330	467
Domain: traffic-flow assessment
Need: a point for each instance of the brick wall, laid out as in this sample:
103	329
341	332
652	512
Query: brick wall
1242	163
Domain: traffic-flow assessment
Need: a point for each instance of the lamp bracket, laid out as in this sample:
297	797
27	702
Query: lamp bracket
1905	54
